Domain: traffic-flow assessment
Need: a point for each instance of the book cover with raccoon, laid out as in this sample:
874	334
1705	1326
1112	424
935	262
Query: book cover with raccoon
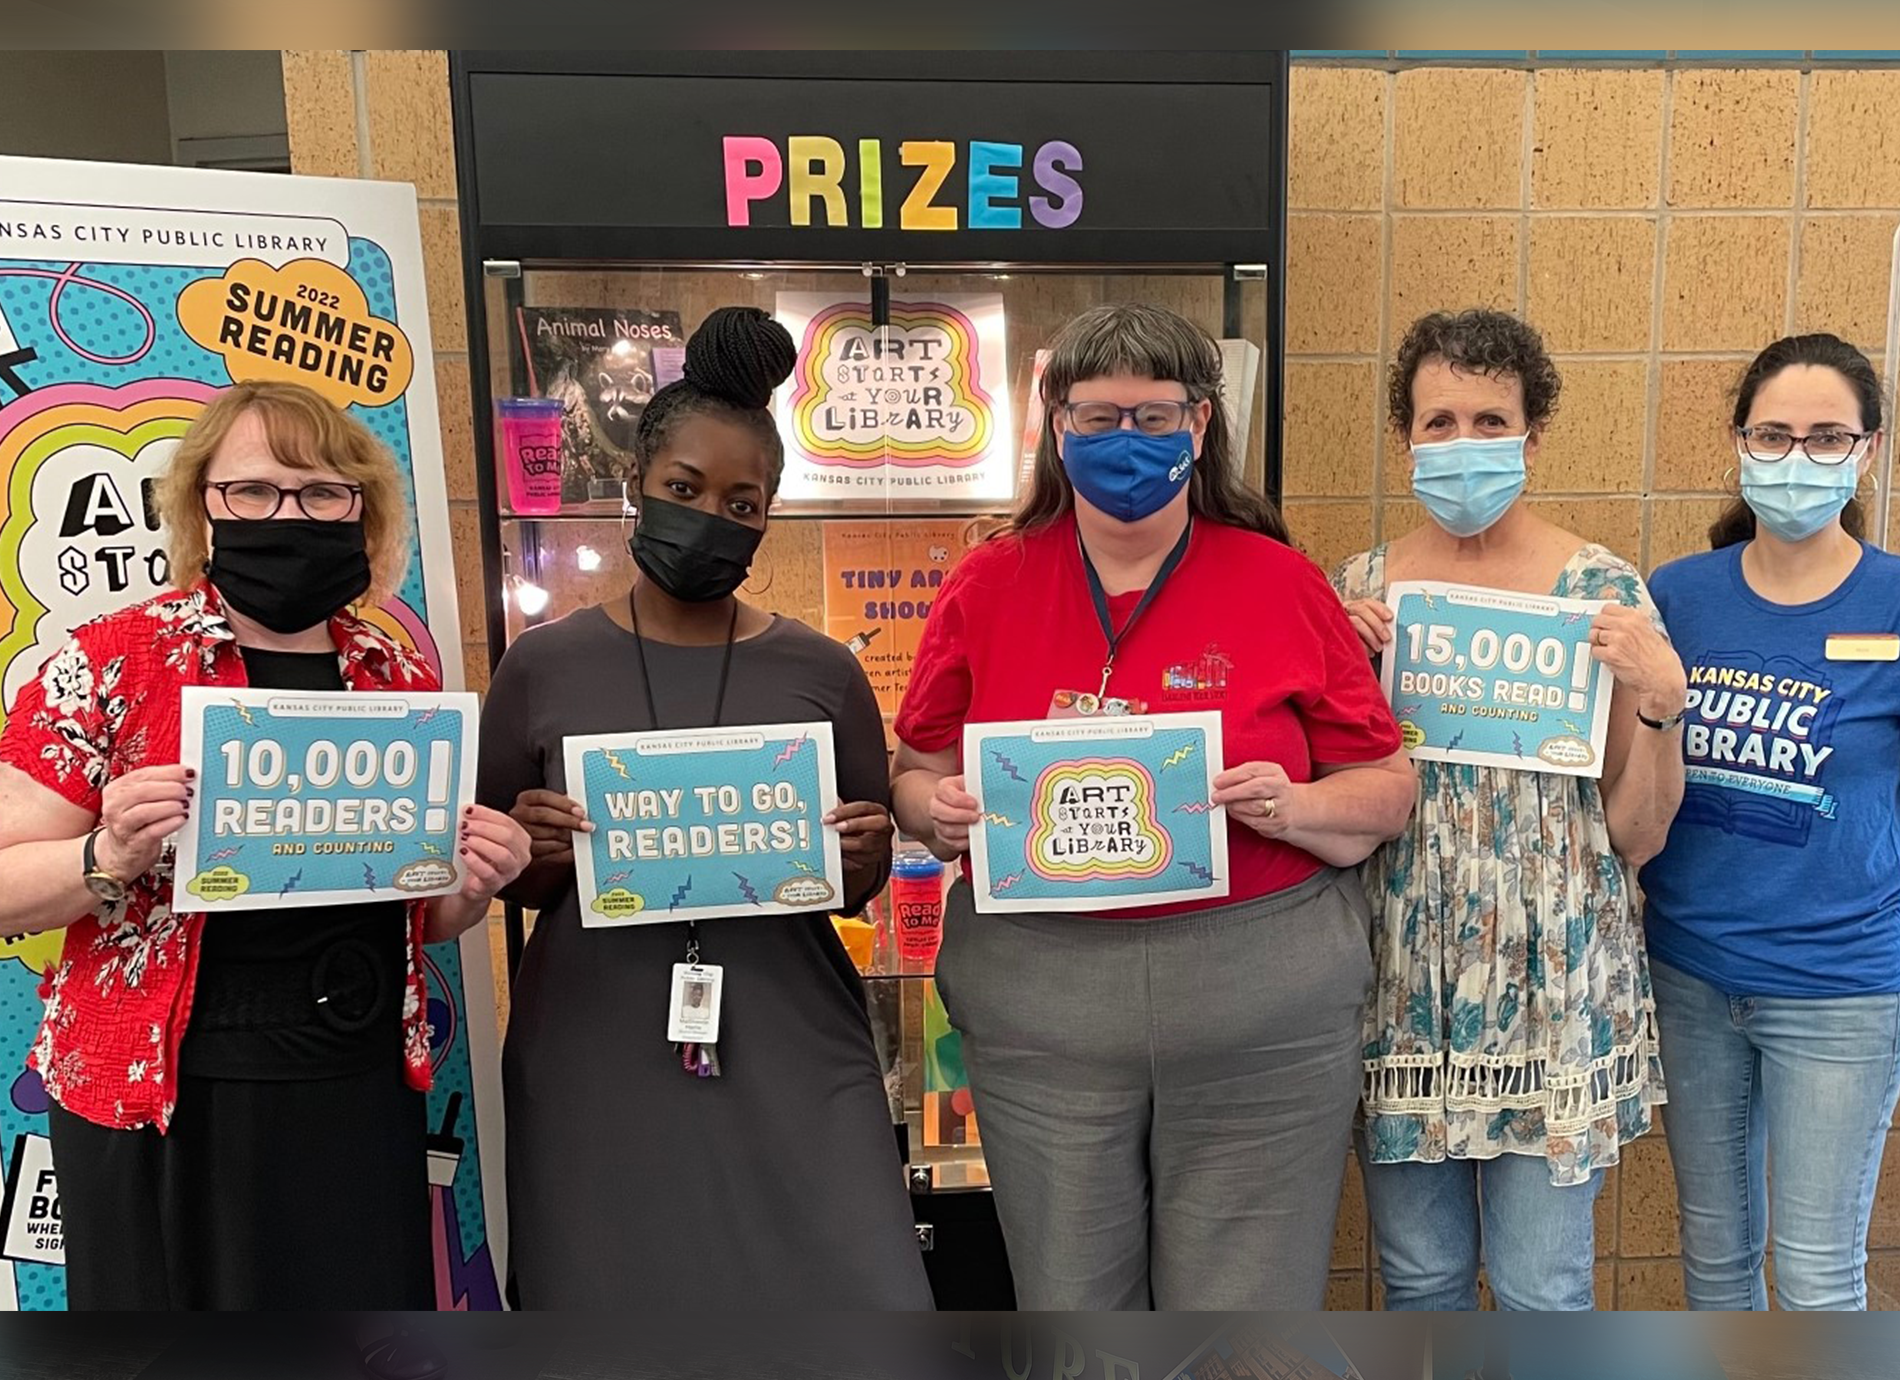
604	364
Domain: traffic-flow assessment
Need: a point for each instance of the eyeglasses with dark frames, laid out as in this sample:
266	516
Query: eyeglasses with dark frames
255	500
1828	446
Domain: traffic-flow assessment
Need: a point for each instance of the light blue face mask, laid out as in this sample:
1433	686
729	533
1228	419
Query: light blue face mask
1467	484
1795	498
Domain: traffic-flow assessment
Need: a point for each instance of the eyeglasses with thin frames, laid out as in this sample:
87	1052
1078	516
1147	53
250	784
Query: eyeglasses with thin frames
255	500
1828	446
1162	417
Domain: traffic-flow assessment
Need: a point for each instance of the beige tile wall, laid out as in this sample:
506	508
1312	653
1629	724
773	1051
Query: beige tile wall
1660	226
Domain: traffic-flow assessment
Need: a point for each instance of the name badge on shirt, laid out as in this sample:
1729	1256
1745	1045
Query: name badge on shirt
693	1009
1863	646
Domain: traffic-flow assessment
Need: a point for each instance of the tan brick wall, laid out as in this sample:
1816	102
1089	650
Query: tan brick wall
1659	225
385	115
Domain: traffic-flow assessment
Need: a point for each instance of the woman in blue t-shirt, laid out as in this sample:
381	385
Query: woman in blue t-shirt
1774	911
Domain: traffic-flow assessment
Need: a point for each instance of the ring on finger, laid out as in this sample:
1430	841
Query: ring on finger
1266	809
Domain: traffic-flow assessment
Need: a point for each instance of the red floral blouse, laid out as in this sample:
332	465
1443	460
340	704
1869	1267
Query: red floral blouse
104	704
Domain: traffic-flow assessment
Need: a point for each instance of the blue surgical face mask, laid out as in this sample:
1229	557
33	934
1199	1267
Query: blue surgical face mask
1128	474
1467	484
1795	498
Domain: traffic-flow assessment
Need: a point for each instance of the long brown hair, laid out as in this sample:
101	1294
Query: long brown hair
1147	342
1737	523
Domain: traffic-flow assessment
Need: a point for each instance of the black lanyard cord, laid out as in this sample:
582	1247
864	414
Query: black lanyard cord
1099	595
653	713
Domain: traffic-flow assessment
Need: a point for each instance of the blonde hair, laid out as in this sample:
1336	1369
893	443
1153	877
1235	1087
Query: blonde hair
305	432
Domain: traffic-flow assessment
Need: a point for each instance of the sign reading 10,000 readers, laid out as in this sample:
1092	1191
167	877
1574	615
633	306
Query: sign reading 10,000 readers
322	799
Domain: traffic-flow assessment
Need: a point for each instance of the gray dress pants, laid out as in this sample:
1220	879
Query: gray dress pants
1166	1105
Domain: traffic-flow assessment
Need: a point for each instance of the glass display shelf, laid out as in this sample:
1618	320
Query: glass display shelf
868	550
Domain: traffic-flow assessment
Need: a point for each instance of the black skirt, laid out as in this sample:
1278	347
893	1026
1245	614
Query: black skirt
264	1194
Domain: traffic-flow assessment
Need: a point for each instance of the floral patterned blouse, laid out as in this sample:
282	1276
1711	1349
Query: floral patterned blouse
104	704
1511	1011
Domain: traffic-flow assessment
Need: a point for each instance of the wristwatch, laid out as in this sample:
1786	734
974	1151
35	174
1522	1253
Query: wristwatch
1660	725
99	882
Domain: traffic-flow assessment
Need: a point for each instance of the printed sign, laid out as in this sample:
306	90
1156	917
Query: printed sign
1496	679
916	410
700	823
33	1235
881	579
315	800
128	297
1096	814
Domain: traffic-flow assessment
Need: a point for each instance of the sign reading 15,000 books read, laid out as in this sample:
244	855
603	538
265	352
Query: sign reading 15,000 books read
128	297
1497	679
916	410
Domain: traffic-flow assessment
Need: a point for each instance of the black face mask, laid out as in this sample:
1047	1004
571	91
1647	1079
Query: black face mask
289	574
694	556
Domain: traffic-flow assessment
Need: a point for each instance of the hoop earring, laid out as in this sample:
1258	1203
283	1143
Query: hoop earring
746	584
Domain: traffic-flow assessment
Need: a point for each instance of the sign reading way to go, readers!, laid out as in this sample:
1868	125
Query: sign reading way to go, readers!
1492	678
695	824
322	799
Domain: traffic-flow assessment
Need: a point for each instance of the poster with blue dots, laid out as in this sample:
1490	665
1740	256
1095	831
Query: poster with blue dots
129	296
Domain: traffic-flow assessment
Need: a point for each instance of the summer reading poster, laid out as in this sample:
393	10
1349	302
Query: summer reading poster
129	295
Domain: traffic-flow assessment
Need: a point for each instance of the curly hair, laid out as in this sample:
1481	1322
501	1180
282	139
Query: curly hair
1478	340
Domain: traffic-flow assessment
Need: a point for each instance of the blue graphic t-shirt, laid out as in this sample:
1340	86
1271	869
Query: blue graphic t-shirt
1782	872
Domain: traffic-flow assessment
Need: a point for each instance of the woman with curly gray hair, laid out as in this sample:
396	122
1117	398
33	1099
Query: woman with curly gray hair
1510	1048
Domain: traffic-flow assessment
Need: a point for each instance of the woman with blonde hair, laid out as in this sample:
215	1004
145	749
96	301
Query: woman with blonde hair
238	1115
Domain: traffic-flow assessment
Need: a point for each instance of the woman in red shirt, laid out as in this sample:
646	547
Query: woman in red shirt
238	1102
1166	1093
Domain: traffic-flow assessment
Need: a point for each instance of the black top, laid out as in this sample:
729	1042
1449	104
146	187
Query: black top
297	991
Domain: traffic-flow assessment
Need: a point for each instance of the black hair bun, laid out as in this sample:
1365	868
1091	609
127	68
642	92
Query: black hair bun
740	354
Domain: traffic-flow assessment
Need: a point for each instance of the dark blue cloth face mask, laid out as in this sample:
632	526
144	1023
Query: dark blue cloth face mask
1128	474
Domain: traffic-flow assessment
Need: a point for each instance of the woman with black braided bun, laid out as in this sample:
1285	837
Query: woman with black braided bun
630	1182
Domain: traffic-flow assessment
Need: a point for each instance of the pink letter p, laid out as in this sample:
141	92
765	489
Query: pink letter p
754	171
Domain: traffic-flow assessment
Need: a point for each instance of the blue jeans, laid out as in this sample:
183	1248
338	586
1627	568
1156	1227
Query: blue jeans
1434	1224
1808	1081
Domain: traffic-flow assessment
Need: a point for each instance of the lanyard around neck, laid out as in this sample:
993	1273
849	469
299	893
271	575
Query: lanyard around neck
646	681
653	714
1099	596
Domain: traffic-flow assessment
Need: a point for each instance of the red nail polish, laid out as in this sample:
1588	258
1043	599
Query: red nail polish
465	852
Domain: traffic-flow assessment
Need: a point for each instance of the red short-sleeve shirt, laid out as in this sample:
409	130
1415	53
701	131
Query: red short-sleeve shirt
1245	626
